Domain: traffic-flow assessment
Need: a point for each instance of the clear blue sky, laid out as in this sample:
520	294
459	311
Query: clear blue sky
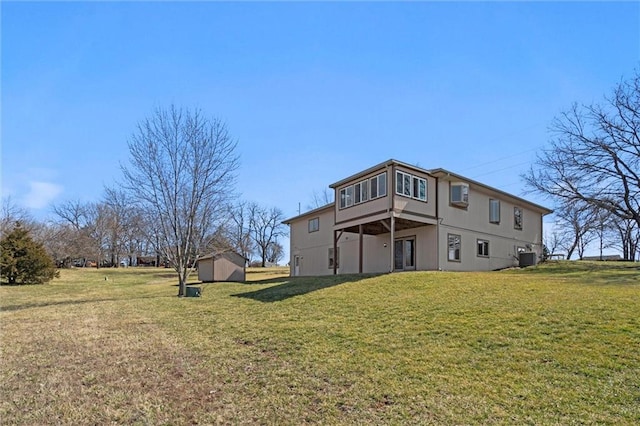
313	92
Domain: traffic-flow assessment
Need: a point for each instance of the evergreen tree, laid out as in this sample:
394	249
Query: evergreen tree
24	261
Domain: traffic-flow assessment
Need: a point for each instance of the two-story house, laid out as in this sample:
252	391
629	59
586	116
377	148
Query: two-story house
399	217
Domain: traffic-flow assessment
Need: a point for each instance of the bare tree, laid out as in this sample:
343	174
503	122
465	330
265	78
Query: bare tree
11	214
182	173
552	241
626	238
594	157
266	227
275	251
576	223
321	198
239	229
76	225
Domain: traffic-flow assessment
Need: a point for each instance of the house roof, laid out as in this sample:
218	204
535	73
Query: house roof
446	173
310	213
221	254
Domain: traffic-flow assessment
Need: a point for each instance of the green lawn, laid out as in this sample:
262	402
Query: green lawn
556	344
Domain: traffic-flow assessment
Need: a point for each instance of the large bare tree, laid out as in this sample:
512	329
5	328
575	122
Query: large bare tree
182	173
594	157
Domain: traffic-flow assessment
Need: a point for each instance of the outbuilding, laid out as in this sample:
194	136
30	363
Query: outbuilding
227	266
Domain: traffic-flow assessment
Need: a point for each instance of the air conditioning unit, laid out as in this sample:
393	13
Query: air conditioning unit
459	194
527	258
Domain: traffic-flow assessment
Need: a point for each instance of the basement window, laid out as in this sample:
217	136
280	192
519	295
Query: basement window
483	248
454	245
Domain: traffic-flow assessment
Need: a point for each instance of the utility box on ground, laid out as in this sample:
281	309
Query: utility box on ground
193	292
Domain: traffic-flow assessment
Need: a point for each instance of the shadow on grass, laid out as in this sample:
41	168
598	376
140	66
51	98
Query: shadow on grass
580	266
30	305
297	286
589	272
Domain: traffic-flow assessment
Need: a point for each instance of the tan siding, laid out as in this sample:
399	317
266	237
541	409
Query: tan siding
473	224
205	270
226	269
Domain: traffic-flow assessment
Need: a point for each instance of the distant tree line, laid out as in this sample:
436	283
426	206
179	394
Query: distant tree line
114	232
591	172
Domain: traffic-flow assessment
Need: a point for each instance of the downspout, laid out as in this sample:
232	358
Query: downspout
392	219
438	224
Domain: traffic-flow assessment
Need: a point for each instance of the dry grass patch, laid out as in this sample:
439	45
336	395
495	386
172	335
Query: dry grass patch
556	344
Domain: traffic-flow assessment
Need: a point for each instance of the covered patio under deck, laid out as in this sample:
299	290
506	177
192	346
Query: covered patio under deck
392	224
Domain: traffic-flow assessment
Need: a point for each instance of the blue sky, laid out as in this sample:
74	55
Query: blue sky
313	92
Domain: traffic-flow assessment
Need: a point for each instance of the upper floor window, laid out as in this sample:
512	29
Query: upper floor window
362	191
314	224
378	185
494	211
346	197
517	218
460	194
411	186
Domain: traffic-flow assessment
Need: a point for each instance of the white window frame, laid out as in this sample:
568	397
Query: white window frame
494	211
482	248
379	182
408	185
451	248
422	185
518	214
314	224
403	183
346	200
361	192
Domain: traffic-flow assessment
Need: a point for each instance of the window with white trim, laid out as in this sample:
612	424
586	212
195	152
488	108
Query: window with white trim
378	186
454	245
403	184
494	211
483	248
419	188
314	224
346	197
411	186
361	190
517	218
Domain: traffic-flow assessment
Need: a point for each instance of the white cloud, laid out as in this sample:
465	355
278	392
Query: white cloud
41	194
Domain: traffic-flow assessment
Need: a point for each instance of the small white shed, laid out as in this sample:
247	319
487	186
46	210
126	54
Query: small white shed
227	266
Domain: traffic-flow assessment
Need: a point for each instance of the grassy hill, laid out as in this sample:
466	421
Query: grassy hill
555	344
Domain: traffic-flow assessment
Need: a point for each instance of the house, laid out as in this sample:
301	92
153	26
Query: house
399	217
226	266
